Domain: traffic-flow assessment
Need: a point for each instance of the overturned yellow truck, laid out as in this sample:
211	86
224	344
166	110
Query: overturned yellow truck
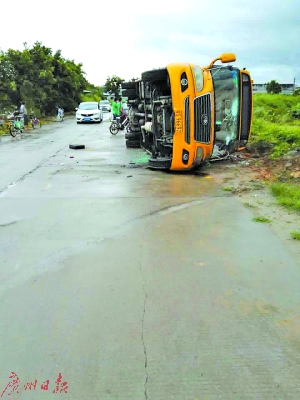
184	114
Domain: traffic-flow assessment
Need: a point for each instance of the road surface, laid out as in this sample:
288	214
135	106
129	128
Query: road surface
136	284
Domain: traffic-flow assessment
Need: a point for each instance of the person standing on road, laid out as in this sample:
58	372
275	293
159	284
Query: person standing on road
23	112
60	113
115	108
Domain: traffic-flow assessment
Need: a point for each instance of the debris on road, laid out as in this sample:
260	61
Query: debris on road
77	146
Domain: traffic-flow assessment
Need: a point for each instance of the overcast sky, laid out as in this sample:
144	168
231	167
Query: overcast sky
127	37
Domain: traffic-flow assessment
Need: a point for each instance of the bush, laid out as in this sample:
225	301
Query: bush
273	87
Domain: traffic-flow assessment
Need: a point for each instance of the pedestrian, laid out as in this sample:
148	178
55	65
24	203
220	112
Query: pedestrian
60	113
23	112
116	112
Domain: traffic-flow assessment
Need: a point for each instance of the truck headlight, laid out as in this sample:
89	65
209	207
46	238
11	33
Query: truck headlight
185	156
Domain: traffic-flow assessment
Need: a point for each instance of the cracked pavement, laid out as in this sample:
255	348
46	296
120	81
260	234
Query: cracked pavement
137	284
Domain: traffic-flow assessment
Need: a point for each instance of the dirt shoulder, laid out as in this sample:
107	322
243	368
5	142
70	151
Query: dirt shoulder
248	178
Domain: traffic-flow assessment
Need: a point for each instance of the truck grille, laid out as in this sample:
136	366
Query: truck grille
202	115
187	120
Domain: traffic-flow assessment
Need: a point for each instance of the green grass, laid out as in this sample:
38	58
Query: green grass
295	235
287	194
261	219
273	126
227	188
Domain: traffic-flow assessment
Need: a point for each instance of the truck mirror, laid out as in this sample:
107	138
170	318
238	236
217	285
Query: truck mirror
224	58
227	57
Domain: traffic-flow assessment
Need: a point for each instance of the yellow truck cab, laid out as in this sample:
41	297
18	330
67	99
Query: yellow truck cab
185	114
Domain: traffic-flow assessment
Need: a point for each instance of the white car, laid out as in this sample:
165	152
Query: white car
89	111
105	105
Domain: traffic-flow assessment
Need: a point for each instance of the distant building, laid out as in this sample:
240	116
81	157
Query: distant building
287	88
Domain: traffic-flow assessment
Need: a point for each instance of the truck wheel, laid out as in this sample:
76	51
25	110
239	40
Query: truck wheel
134	144
132	136
129	85
130	93
155	75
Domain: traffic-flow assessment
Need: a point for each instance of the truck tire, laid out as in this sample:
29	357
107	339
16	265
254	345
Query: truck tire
134	144
155	75
77	146
130	93
132	136
128	85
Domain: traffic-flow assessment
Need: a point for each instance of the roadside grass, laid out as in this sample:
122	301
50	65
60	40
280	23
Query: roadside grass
273	126
261	219
227	189
287	194
295	235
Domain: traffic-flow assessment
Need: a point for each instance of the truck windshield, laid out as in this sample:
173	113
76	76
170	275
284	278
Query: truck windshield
226	87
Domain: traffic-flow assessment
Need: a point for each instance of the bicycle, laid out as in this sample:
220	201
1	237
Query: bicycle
35	122
116	125
16	125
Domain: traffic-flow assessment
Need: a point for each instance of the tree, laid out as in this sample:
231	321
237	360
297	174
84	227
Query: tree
296	92
273	87
113	84
41	79
7	82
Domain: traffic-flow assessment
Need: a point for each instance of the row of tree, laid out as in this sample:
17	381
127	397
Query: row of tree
42	79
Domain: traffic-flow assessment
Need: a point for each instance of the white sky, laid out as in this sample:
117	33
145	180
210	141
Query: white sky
127	37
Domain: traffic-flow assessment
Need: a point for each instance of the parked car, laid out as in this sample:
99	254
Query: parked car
105	105
89	111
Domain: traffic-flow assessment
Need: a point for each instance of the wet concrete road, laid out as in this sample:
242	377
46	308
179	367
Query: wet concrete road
135	284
